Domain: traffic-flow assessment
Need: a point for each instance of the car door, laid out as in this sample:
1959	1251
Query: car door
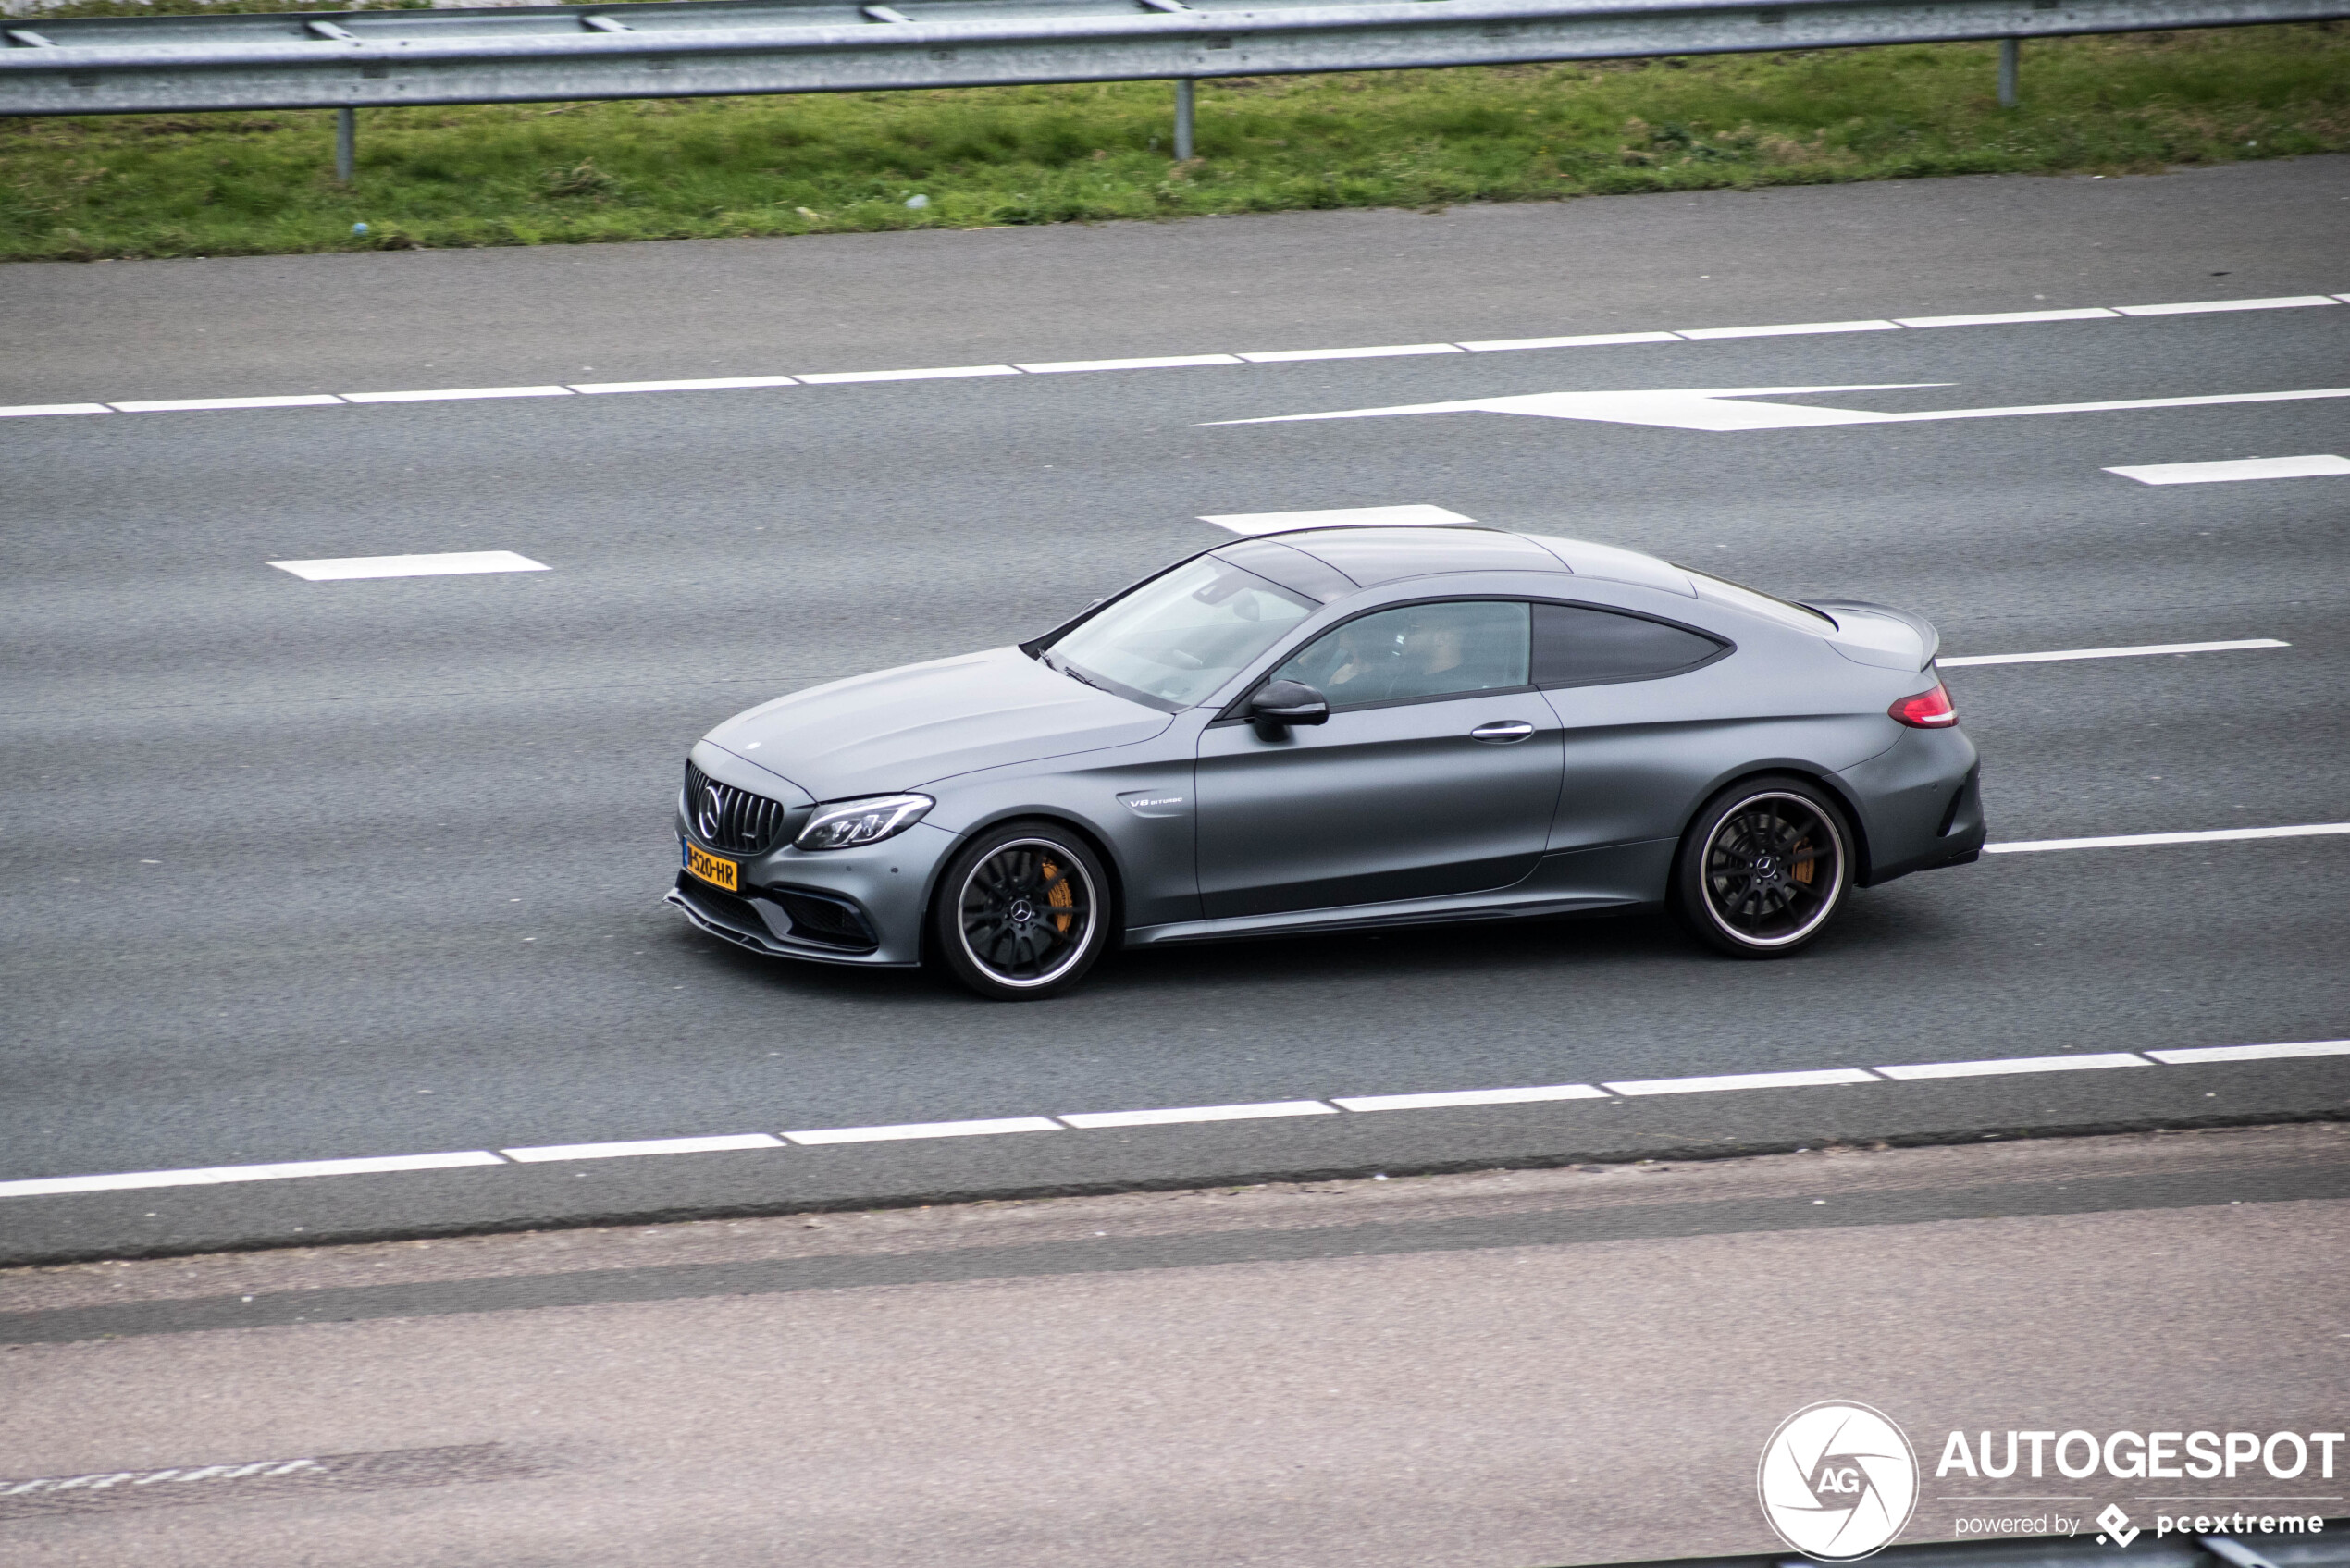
1435	775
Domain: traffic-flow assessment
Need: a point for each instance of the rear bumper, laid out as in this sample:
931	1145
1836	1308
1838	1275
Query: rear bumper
1920	804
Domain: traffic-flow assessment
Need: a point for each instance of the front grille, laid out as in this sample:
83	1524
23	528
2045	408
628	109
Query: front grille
730	819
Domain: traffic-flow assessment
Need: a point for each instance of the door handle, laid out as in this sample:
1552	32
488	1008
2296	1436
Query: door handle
1502	732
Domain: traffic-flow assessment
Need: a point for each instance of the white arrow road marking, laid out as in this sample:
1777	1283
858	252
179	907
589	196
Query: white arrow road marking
1724	408
2312	466
449	564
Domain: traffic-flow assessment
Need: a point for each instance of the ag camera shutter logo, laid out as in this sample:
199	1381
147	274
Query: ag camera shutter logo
1837	1481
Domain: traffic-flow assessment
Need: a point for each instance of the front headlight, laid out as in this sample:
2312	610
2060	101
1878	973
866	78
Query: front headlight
869	820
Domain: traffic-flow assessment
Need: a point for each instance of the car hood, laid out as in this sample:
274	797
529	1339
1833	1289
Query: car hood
903	728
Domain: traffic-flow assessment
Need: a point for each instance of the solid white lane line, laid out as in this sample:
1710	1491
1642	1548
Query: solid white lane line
212	1175
1163	361
713	384
2016	1064
1818	1079
644	1146
2005	318
1790	329
2315	465
2122	841
1390	350
1413	517
1582	340
2147	650
168	405
818	1136
950	373
1200	1113
456	394
2195	1056
1470	1097
2200	307
1172	361
454	563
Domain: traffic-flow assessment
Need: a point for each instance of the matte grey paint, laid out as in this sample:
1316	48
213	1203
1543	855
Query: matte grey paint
1391	814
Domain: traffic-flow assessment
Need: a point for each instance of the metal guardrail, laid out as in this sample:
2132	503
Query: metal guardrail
707	47
699	48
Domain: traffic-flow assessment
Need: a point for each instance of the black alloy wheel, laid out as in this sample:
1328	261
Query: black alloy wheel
1764	869
1021	912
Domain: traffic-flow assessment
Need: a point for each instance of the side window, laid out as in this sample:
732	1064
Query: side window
1419	651
1575	645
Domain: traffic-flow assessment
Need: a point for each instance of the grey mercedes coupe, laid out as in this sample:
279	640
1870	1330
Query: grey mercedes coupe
1334	730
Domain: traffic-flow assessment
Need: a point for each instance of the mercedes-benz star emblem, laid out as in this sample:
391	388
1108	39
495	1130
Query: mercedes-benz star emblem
714	813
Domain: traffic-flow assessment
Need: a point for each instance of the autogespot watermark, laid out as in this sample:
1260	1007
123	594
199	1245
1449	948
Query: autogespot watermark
2080	1454
1838	1481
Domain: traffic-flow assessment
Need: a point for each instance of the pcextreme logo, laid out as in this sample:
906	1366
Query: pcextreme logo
1838	1480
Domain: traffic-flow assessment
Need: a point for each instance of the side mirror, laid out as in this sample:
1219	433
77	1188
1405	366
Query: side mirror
1281	703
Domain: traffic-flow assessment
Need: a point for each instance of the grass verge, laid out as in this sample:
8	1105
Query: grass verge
86	187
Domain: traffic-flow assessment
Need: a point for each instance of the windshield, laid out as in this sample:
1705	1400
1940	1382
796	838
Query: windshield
1180	636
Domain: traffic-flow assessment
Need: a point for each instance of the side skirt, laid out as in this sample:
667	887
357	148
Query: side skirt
1621	878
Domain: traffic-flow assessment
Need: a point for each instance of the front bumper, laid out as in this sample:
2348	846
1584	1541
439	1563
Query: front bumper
860	907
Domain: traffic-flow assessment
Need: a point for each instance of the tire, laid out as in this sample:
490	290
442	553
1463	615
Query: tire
1764	868
1021	912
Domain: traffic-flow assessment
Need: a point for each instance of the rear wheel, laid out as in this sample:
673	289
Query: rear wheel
1022	912
1764	868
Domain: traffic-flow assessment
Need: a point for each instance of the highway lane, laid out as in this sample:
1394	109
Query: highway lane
257	326
1478	1369
305	870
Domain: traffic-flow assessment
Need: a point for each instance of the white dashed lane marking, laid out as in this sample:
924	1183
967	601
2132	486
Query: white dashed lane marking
2201	307
58	1186
981	1128
453	564
454	394
2017	1064
720	1144
1200	1113
2128	840
1821	1078
1170	361
2315	465
1448	1099
708	384
2145	651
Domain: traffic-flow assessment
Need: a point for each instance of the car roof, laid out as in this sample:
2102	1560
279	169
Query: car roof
1372	557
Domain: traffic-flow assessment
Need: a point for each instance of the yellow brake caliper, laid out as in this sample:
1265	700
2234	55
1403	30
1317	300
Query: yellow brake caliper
1060	896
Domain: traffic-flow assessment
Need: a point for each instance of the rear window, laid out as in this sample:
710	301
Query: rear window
1575	645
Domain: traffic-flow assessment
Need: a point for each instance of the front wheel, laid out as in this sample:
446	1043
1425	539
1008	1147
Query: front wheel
1763	868
1021	913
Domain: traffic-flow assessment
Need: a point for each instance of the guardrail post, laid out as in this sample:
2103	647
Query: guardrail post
2010	50
346	143
1182	119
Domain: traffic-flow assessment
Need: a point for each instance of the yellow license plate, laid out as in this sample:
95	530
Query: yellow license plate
711	870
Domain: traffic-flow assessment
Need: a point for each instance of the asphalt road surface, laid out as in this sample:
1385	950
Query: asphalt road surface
1504	1367
309	870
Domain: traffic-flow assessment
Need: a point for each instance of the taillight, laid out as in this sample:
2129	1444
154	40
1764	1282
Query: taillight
1926	710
